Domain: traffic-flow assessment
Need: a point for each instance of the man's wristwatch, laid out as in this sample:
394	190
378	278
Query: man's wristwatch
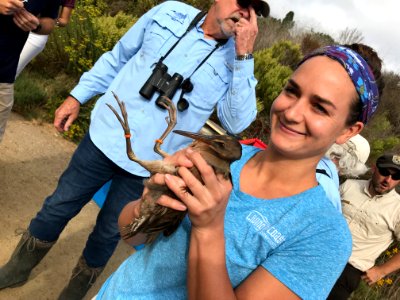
37	29
58	22
245	56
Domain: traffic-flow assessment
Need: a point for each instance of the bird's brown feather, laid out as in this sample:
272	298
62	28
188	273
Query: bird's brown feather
219	151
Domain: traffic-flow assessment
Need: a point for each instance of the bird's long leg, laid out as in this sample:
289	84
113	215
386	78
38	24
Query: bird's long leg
171	121
125	126
153	166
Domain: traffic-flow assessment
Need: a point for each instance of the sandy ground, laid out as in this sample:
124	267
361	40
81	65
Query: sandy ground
32	157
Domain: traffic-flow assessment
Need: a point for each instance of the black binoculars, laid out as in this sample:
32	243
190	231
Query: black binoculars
160	81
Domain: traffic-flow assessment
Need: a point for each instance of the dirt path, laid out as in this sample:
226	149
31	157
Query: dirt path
32	157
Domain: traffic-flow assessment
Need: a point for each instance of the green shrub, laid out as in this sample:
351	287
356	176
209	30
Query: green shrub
271	74
111	29
382	145
312	40
270	32
364	292
138	8
89	34
381	134
287	53
37	95
29	95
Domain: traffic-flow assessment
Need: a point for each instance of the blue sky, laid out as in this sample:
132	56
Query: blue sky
378	21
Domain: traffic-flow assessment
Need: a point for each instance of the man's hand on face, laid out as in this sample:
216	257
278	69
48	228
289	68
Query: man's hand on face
246	33
9	7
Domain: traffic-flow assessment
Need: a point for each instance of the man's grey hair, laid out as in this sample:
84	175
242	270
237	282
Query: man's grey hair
346	160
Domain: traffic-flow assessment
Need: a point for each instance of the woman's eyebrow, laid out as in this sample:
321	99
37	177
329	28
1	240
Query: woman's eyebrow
315	97
324	101
294	84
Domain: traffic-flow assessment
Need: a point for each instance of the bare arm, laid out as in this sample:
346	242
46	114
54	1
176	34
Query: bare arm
64	16
372	275
207	274
238	109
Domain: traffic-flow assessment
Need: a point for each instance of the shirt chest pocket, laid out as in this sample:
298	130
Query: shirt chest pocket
210	84
348	209
358	215
366	218
378	225
160	36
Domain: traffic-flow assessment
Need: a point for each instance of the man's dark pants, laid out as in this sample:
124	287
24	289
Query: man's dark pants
346	284
88	171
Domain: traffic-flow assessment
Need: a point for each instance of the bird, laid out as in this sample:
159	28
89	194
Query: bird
219	151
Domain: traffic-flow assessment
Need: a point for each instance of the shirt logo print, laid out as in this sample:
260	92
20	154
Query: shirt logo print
264	227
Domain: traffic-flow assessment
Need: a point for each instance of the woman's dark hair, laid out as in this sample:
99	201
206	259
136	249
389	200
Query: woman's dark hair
375	63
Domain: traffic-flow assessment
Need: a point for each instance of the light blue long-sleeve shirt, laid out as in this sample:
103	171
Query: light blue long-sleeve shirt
330	181
221	81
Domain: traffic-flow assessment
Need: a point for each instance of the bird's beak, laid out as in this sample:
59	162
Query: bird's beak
196	136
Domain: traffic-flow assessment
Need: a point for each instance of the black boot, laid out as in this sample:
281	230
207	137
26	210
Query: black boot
26	256
82	279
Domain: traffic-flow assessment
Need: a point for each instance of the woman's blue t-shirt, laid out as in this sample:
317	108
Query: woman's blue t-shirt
302	240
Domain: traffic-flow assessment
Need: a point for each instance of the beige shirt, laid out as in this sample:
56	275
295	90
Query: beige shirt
374	222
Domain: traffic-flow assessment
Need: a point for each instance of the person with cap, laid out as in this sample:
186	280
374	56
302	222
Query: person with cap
372	211
201	61
341	162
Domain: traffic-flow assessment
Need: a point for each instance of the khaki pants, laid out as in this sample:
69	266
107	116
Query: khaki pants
6	103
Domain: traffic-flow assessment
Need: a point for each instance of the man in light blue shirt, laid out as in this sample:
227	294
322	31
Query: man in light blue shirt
223	80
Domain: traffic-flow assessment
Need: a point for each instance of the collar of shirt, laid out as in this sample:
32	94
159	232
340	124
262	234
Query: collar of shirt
377	196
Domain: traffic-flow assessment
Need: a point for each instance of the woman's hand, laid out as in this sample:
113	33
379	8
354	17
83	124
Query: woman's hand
180	159
206	203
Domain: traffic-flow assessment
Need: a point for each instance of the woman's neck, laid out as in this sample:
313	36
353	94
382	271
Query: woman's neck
211	28
270	175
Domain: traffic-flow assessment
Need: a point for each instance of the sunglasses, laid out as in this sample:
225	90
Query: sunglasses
385	172
261	9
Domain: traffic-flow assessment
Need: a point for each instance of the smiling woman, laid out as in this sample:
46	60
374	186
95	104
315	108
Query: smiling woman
278	236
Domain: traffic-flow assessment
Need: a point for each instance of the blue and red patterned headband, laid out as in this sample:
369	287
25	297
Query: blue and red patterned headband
360	74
